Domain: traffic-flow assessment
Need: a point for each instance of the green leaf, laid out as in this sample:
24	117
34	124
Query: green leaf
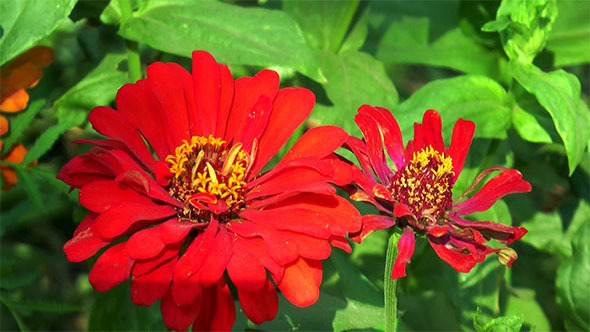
25	22
364	302
99	87
573	284
528	309
559	93
46	141
112	12
233	34
324	23
354	79
569	37
524	27
511	323
475	98
546	231
19	322
358	34
22	122
408	41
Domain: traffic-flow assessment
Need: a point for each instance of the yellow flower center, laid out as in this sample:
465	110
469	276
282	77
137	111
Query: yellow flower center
205	165
425	183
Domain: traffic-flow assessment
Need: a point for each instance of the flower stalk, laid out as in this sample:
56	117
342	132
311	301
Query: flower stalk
133	60
390	285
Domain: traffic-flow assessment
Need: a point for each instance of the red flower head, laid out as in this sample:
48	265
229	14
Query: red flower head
179	220
418	196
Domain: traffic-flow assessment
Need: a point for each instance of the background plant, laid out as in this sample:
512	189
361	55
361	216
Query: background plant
518	69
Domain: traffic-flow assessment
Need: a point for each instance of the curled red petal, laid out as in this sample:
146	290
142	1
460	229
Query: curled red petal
374	143
86	242
503	233
111	268
405	250
150	287
372	223
301	282
217	311
460	143
260	306
457	260
176	317
508	182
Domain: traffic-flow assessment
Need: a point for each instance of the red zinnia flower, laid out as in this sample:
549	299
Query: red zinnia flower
418	196
199	208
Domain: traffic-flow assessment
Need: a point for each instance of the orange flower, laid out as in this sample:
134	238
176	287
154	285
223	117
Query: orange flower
20	73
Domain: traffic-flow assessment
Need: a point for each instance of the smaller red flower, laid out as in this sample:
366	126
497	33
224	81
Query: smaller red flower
417	197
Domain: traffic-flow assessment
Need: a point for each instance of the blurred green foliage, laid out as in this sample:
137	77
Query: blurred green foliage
518	69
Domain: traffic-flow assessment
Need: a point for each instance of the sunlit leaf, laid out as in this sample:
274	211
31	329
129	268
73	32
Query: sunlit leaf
354	79
233	34
559	93
569	37
25	22
475	98
99	87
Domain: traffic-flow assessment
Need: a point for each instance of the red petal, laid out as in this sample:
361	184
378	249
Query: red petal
360	151
246	93
145	244
207	85
226	97
432	130
99	196
503	233
401	210
282	251
114	124
116	220
244	270
301	282
418	139
260	306
405	250
184	292
217	312
186	80
289	179
85	242
217	260
460	143
150	287
374	144
372	223
174	230
142	267
256	122
299	220
458	261
195	254
291	108
318	142
111	268
178	318
346	218
392	135
310	247
145	116
508	182
168	90
257	248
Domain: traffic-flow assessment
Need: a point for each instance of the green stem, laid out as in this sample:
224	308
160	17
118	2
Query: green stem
133	60
390	285
342	28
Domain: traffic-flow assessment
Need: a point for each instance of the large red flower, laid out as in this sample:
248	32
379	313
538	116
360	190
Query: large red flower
178	221
417	197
